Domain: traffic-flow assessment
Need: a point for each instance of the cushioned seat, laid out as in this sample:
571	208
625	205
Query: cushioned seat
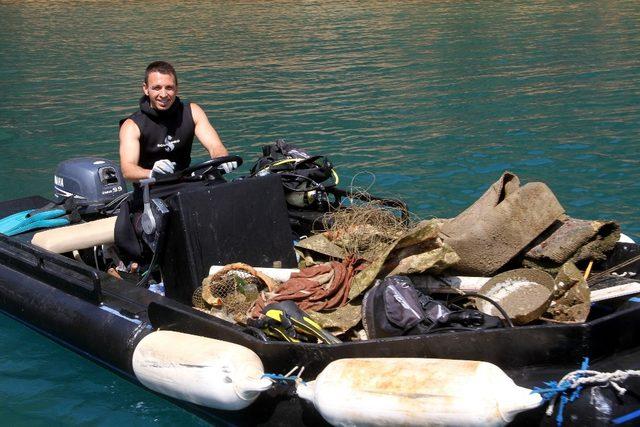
78	236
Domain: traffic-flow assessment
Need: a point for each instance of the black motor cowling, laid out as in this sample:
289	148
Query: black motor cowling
92	182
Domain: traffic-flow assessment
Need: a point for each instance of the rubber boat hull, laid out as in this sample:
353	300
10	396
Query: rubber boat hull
104	319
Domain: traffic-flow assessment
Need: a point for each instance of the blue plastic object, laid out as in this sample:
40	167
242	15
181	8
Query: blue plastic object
629	417
27	220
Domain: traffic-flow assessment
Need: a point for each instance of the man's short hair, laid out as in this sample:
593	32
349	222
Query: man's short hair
161	67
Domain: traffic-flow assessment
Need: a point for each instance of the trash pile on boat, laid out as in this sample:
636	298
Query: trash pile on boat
514	257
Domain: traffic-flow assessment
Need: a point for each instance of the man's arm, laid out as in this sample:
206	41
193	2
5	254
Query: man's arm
206	134
130	152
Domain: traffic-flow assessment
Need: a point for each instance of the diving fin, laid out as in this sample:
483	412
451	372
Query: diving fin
291	318
30	220
11	221
50	215
67	204
40	223
274	324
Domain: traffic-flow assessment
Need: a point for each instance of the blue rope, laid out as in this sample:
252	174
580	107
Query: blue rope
554	390
282	378
630	416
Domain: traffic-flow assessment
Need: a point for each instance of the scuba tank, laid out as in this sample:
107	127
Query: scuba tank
305	178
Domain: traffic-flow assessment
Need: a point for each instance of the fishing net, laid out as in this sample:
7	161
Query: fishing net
366	229
230	292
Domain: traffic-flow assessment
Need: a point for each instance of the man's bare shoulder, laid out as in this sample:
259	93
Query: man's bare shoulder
129	127
196	110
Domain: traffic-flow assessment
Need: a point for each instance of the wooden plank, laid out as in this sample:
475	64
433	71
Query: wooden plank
449	284
615	291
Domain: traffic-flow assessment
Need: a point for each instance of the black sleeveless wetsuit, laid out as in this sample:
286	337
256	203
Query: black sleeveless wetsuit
164	134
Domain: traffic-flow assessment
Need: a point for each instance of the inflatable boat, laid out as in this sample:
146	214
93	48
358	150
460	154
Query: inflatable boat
54	280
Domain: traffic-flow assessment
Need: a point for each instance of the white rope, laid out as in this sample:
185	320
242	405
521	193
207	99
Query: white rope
274	378
354	190
587	377
579	378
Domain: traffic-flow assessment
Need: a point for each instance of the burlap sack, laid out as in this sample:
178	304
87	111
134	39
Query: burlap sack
500	224
573	240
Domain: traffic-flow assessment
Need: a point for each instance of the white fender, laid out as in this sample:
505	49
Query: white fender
416	392
200	370
625	239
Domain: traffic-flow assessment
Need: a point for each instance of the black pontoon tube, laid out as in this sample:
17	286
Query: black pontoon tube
90	329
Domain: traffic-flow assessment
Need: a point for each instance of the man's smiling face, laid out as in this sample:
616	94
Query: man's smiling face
161	90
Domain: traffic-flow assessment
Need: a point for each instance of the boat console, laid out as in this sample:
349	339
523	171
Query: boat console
207	221
241	221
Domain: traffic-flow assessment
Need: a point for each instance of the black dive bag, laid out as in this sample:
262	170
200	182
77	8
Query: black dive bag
394	307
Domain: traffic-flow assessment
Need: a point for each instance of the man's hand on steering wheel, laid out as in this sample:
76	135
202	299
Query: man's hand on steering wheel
224	164
228	166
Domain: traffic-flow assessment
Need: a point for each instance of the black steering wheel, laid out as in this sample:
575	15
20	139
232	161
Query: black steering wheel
208	164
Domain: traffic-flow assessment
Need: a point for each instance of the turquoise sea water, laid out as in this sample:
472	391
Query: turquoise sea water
428	101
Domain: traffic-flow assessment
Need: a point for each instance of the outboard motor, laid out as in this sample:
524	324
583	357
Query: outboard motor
93	183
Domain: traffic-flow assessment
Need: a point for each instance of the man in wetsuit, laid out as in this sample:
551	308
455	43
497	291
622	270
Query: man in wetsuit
157	139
